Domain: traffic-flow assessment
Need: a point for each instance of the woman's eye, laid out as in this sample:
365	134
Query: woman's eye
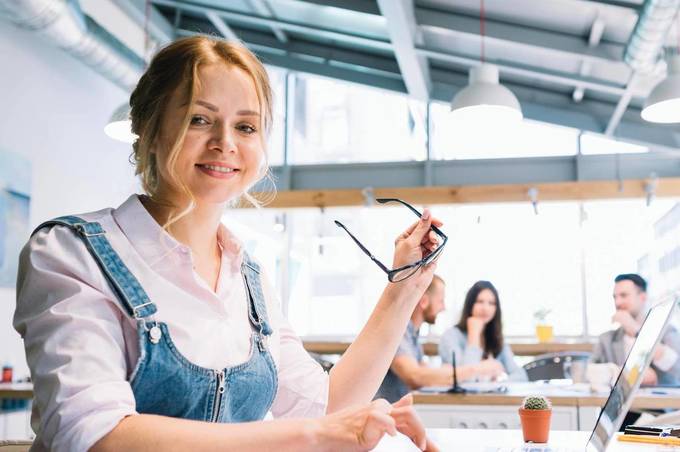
198	121
247	128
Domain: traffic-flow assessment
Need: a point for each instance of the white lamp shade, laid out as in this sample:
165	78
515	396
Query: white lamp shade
663	103
484	99
119	126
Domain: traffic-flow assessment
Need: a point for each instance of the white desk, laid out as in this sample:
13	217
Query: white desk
572	409
505	441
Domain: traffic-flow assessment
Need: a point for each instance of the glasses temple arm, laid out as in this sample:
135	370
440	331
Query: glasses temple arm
363	248
412	209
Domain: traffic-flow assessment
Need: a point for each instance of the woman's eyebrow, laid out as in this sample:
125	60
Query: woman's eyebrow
247	113
208	105
214	108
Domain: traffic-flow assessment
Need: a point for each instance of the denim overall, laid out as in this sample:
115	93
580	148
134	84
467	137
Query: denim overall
166	383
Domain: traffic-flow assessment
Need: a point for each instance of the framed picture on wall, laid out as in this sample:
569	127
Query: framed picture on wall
15	183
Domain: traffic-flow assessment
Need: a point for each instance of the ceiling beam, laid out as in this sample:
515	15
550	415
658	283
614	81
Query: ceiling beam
594	38
574	46
221	25
403	32
159	27
284	25
264	9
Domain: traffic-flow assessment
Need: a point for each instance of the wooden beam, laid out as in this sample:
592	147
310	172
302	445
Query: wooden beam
559	191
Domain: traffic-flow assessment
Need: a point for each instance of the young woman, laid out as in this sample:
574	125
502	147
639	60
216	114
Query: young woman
477	340
149	327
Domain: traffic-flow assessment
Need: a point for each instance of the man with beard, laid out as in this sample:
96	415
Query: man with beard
407	371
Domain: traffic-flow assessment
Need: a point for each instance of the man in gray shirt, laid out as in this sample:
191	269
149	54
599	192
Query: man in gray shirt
407	371
630	299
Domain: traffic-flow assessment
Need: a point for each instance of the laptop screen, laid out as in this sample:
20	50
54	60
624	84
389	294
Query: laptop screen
628	381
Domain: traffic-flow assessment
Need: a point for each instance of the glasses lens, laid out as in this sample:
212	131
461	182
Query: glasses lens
405	273
434	255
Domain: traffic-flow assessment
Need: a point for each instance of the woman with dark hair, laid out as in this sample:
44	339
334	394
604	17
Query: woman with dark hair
477	339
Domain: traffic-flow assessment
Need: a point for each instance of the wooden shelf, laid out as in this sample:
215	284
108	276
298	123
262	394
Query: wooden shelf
16	391
519	348
454	194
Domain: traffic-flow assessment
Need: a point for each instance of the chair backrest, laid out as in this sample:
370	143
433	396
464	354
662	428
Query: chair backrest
14	446
553	365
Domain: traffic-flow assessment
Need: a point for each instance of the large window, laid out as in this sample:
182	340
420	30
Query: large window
276	143
457	140
592	143
338	122
567	254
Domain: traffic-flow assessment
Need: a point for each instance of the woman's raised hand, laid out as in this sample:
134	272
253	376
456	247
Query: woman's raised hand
415	243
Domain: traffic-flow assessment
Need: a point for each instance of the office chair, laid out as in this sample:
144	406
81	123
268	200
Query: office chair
553	365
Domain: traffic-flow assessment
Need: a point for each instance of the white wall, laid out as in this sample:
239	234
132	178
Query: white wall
53	110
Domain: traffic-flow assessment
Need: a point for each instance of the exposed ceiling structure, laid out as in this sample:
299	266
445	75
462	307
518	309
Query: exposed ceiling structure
562	58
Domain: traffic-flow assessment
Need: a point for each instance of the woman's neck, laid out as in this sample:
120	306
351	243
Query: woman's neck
197	229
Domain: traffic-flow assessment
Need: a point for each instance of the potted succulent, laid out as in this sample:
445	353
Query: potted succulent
534	415
544	331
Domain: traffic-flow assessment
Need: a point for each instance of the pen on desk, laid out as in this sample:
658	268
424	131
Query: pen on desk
656	391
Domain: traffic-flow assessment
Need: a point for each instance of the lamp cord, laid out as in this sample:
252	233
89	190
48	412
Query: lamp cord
481	28
147	43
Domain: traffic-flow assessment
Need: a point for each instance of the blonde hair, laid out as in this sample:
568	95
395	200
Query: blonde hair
175	69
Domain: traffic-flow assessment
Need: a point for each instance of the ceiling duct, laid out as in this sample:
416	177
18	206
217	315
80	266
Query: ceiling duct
645	43
62	22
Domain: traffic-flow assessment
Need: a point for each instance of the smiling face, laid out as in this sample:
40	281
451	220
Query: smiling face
222	154
485	306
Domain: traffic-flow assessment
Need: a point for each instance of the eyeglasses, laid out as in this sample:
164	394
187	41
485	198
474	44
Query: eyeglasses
402	273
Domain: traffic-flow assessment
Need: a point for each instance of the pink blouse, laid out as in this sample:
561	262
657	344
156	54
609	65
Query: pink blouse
81	346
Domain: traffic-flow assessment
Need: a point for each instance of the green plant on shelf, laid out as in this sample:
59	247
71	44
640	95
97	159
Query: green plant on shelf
541	315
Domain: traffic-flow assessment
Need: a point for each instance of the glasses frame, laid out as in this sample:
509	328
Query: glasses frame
392	272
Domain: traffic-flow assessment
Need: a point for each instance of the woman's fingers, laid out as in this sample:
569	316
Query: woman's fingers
376	424
430	446
409	424
407	400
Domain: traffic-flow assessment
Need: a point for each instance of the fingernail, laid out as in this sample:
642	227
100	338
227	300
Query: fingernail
426	215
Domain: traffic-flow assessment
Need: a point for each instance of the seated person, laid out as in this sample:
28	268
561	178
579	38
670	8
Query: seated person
407	372
477	340
630	300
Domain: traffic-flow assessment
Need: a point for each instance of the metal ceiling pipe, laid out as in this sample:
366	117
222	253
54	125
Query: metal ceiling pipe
62	23
645	43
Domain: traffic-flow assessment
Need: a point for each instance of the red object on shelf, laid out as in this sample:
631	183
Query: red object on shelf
6	374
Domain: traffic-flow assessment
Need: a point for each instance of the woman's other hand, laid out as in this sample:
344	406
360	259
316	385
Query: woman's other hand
409	424
361	429
356	428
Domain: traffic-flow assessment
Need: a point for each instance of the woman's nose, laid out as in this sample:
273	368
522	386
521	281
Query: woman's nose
224	139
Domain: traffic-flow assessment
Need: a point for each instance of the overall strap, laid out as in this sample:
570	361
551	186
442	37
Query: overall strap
257	307
128	290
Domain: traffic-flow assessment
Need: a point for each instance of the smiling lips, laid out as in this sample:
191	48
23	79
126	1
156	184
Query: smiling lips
219	171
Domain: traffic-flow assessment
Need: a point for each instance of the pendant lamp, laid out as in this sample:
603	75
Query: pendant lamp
485	100
663	103
119	126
